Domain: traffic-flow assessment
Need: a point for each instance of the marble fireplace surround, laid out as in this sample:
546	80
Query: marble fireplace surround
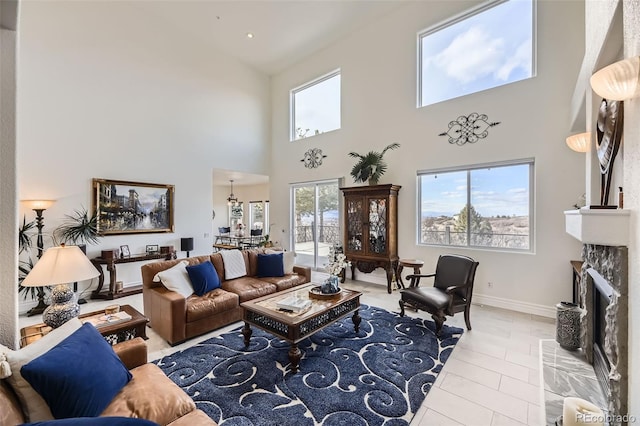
606	267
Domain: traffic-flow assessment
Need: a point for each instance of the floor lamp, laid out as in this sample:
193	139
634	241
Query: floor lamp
39	206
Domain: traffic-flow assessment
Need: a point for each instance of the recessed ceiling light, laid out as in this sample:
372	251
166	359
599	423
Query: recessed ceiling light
249	35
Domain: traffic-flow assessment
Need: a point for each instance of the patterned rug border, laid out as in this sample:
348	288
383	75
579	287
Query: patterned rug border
379	377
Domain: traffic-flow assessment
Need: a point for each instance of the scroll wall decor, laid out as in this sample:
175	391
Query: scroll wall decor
313	158
468	129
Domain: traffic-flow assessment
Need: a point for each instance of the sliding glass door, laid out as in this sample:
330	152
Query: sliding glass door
315	221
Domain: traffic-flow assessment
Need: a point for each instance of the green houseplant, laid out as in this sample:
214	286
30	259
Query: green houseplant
266	242
371	166
25	232
79	228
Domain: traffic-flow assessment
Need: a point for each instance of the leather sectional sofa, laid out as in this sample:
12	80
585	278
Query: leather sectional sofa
149	395
176	318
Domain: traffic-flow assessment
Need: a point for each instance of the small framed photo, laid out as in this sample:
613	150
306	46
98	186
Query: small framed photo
124	251
152	249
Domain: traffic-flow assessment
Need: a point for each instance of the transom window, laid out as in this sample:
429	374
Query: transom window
488	206
315	107
489	46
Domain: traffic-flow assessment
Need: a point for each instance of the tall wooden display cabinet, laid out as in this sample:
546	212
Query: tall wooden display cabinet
371	228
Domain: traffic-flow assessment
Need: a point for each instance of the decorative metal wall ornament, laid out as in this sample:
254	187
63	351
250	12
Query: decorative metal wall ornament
468	129
313	158
609	129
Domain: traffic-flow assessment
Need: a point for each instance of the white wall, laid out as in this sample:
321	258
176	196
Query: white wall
378	67
8	177
631	37
106	91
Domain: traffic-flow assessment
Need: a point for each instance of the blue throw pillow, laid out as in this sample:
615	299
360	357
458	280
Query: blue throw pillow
78	377
270	265
96	421
204	277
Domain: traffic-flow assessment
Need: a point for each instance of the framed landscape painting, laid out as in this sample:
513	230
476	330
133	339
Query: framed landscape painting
132	207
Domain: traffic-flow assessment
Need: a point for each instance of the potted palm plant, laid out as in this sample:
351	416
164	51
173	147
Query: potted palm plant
79	228
371	166
25	232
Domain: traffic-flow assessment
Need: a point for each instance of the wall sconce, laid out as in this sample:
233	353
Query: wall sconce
618	81
579	142
232	199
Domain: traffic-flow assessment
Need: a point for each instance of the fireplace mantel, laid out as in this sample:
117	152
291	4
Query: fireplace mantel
607	227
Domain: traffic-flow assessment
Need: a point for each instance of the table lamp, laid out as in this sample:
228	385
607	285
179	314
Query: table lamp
60	266
186	244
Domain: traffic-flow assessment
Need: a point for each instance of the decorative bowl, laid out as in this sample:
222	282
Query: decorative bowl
316	293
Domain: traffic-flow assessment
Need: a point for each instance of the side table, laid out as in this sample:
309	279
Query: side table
116	333
416	264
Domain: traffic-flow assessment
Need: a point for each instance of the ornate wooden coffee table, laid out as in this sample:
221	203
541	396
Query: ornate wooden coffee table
294	327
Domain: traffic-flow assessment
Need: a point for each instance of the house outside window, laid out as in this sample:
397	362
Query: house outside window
486	206
315	107
486	47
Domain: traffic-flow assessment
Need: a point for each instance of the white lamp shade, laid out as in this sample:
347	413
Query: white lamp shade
618	81
60	265
579	142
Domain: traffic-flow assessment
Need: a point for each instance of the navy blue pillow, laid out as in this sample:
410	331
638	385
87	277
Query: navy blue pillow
96	421
78	377
204	277
270	265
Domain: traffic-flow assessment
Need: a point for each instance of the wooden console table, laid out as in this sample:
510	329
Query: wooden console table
111	268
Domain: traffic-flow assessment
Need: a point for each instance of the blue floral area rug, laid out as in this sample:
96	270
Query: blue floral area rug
378	377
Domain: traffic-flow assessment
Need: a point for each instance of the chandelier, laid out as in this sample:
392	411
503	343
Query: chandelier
232	199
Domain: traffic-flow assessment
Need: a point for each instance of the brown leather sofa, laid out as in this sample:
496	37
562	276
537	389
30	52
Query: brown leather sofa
177	319
149	395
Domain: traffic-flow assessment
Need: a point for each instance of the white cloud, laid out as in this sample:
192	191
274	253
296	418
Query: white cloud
521	59
471	55
517	190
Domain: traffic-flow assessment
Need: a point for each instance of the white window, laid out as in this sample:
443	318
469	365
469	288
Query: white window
488	206
487	47
315	107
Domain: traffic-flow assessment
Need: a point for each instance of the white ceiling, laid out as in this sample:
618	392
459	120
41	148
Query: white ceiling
286	31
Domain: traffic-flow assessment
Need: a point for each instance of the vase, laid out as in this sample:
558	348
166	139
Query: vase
330	285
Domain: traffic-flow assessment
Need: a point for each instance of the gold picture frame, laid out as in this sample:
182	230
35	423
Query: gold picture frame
125	207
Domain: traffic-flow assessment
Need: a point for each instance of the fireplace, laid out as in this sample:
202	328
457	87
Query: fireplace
604	297
601	298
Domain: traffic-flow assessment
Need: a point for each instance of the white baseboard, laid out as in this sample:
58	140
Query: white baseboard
515	305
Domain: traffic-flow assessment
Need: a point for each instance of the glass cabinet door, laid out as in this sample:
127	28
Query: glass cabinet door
355	224
377	225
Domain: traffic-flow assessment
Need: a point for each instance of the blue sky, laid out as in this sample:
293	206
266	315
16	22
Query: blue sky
483	51
486	50
318	107
495	191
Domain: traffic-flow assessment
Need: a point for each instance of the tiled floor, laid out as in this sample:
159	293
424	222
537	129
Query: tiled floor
492	377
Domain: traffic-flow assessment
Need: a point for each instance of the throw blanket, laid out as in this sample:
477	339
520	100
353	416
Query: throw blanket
234	266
